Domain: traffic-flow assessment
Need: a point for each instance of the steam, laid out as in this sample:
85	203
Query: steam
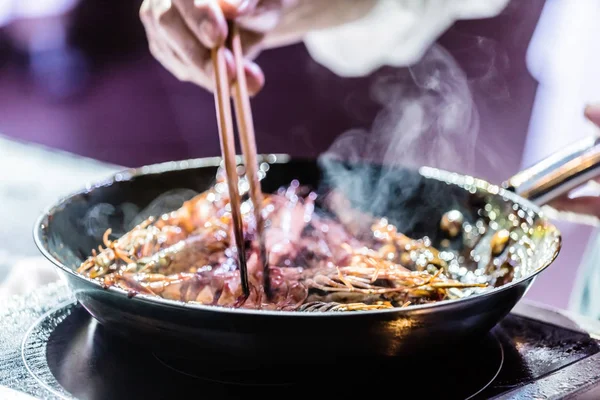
428	118
166	202
100	217
127	215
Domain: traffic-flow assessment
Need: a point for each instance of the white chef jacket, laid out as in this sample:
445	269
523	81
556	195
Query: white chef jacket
395	33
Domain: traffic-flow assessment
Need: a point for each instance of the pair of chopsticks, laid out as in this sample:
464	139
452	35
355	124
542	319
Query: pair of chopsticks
241	100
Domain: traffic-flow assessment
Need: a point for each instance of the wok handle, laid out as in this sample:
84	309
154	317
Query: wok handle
559	173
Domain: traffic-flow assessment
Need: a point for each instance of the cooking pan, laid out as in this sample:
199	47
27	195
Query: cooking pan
415	200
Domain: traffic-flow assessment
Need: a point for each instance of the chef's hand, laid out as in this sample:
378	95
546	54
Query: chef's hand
586	204
181	33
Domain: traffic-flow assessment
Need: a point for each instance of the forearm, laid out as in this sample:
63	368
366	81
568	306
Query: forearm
356	40
350	37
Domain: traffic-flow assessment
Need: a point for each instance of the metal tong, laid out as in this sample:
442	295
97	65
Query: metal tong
245	124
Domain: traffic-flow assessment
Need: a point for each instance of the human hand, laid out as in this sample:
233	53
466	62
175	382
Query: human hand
182	33
587	204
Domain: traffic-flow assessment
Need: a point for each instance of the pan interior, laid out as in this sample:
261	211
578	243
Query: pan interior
414	201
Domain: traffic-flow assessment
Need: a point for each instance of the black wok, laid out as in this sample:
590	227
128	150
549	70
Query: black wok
415	201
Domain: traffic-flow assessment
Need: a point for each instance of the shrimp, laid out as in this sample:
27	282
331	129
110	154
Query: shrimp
315	262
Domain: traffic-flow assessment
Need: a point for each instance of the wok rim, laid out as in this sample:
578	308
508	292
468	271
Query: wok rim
128	174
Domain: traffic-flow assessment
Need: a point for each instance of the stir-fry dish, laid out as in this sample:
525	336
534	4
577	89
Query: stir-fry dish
316	262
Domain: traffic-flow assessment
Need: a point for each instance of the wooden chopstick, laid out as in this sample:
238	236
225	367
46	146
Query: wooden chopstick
225	125
243	112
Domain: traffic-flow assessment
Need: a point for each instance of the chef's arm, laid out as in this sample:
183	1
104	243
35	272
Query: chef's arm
391	32
350	37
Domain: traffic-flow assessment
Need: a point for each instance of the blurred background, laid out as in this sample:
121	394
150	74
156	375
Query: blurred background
80	97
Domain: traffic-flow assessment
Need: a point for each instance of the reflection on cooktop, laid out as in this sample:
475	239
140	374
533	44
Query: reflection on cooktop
84	361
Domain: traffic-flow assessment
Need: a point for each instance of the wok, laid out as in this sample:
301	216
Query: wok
415	200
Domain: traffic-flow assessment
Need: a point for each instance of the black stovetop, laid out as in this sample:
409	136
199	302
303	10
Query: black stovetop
52	349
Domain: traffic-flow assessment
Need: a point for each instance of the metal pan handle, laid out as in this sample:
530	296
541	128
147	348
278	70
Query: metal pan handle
559	173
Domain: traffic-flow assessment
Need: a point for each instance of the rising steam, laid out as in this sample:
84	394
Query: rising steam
428	118
126	216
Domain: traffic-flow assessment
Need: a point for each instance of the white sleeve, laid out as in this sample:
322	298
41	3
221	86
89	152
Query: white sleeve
394	33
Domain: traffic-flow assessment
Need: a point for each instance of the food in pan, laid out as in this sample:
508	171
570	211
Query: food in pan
318	260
